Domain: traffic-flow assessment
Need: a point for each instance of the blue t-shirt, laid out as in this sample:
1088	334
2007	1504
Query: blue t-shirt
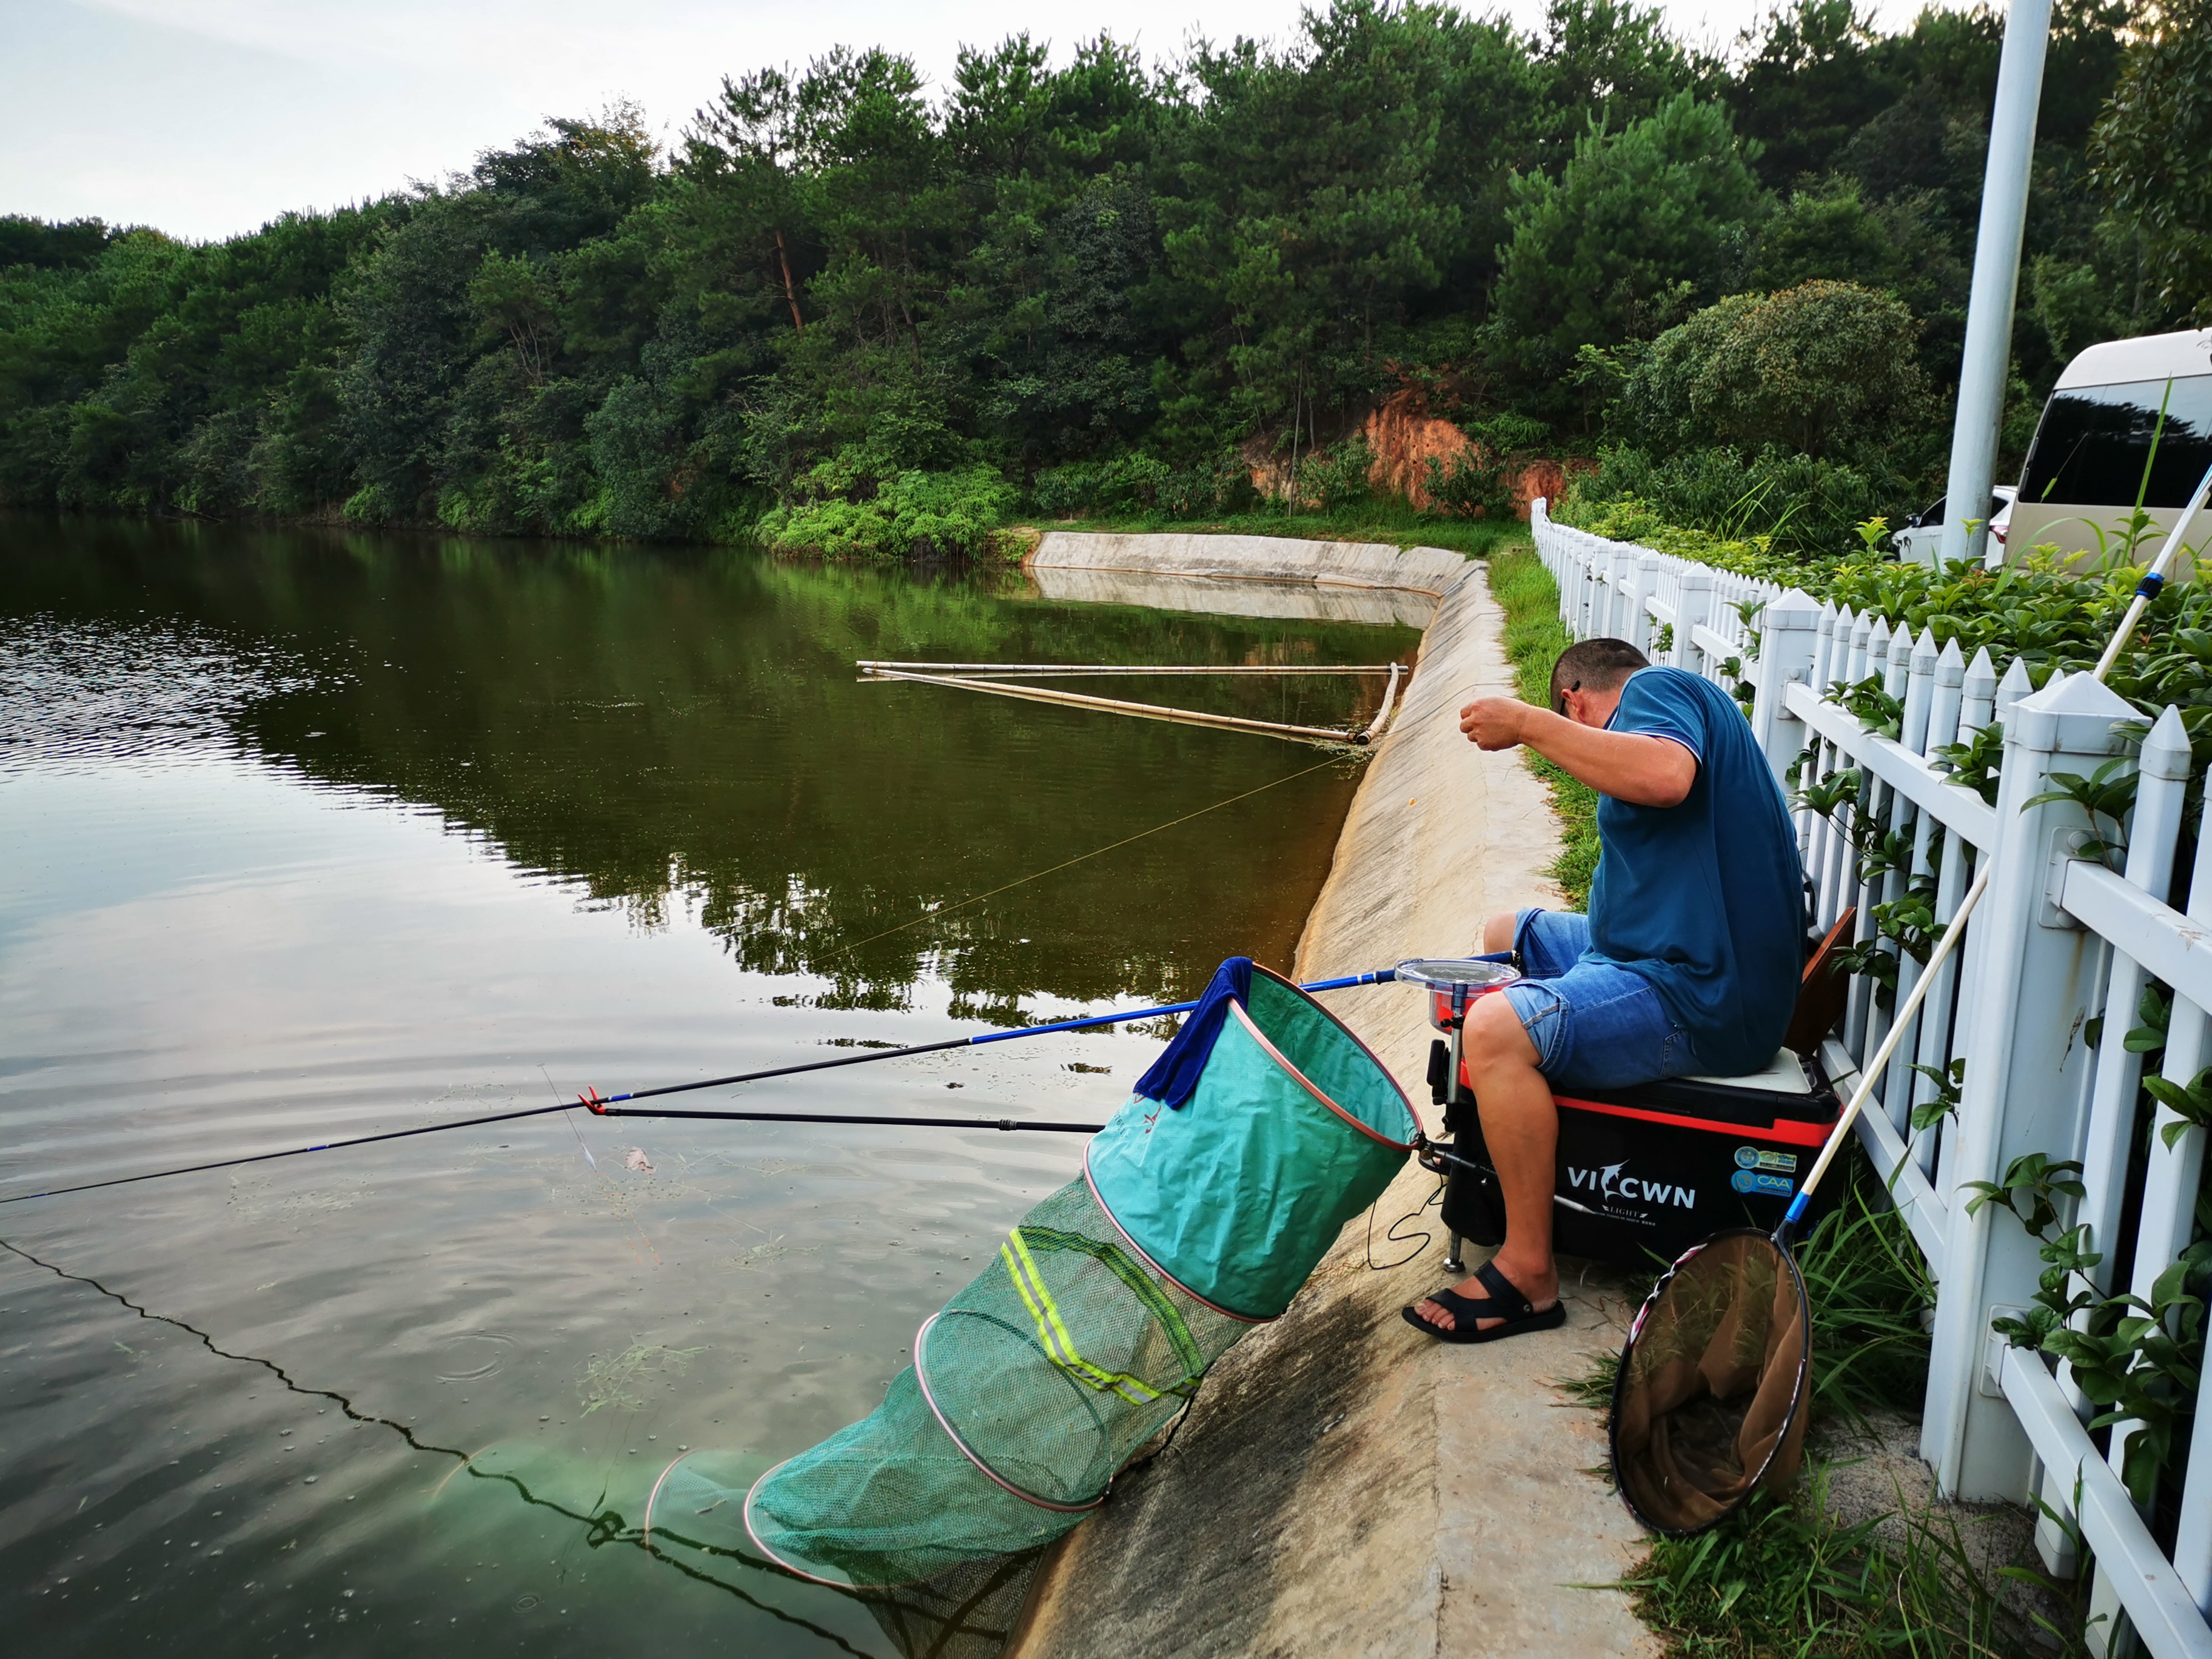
1704	900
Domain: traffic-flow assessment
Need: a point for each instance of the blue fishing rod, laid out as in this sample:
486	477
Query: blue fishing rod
609	1105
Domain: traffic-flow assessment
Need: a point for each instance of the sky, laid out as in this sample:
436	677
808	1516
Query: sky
207	118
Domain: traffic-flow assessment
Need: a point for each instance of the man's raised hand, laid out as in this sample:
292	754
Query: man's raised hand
1492	723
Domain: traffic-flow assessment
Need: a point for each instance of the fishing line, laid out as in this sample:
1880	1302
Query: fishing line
947	909
606	1188
602	1105
599	1104
289	1151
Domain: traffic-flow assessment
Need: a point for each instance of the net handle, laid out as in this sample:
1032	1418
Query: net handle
1874	1068
2154	578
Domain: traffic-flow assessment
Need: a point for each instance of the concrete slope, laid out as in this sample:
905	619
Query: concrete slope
1250	558
1345	1486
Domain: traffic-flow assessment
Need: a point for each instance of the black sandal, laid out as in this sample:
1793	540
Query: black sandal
1504	1302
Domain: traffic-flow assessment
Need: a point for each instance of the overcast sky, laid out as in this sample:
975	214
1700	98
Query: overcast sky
206	118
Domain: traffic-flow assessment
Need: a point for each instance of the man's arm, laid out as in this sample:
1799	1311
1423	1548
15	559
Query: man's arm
1630	766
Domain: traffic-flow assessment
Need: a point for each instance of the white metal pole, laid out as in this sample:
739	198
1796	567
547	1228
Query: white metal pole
1997	279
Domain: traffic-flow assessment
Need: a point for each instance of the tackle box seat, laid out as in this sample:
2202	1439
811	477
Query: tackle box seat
1645	1172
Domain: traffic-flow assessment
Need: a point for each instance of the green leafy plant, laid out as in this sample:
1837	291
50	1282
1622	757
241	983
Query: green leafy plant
1950	1080
1870	705
2030	1188
2191	1102
1973	764
2106	797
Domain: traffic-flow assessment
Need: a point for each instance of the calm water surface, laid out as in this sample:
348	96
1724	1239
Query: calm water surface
306	836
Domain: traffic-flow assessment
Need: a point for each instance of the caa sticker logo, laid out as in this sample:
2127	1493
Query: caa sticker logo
1609	1182
1756	1180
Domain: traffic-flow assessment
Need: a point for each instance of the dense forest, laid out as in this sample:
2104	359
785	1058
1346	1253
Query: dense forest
853	310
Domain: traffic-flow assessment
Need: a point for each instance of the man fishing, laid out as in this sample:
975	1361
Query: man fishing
1688	963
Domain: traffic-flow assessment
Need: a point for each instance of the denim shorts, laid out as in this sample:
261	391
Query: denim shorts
1594	1025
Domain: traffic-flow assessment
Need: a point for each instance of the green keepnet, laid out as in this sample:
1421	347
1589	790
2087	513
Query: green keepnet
1105	1306
1237	1195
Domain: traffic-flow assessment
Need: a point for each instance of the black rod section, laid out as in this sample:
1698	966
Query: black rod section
910	1123
292	1151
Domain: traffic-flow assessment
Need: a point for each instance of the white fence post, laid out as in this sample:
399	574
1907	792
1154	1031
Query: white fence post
1693	606
2031	993
1788	642
1641	586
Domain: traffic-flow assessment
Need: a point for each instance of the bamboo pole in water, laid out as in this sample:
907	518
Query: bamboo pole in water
1114	705
1383	714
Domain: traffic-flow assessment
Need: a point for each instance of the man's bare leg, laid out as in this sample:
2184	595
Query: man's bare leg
1521	1125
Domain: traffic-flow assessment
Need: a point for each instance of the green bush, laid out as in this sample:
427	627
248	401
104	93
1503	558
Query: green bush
909	514
1825	369
1336	477
1478	483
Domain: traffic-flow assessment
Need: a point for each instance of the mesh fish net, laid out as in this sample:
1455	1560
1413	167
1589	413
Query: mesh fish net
1709	1403
966	1610
1056	1366
1089	1331
1033	1386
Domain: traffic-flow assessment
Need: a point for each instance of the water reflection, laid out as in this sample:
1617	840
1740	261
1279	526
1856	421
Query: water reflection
675	733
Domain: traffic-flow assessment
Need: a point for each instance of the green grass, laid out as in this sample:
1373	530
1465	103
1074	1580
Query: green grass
1534	636
1389	519
1779	1580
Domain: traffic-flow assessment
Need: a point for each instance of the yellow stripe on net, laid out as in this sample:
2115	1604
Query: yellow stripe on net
1052	1332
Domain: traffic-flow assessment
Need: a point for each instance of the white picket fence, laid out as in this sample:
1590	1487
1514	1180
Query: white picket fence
2059	942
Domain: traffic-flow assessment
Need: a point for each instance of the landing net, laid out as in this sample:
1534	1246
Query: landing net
1708	1404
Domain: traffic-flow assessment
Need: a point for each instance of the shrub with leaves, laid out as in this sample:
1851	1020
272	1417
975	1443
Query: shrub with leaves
943	513
1825	369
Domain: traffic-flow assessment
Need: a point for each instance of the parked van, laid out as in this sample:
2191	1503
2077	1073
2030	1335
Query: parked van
2085	464
2078	488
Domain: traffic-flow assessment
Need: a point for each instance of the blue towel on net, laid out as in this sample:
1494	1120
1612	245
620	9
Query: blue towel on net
1174	1076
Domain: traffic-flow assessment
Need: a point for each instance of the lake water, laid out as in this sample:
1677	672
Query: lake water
304	836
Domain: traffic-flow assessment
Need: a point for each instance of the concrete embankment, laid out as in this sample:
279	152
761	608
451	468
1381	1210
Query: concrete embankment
1345	1486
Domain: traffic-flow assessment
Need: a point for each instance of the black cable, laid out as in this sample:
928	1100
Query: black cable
1391	1237
1175	1428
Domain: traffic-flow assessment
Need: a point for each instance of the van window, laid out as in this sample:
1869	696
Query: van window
2090	447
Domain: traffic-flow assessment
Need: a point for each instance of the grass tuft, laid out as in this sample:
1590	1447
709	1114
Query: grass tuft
1782	1579
1534	636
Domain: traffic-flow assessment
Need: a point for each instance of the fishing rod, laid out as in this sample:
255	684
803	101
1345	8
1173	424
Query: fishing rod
604	1105
600	1104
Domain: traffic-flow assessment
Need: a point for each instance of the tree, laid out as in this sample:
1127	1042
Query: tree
1643	225
1817	78
1311	212
2153	153
1609	62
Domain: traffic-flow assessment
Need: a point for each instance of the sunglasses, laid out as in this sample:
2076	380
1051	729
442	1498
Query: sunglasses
1562	709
